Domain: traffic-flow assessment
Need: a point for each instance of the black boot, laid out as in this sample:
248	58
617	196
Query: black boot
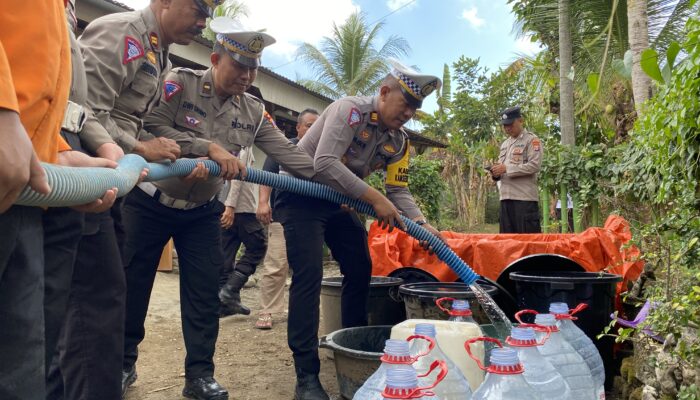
206	388
309	388
230	295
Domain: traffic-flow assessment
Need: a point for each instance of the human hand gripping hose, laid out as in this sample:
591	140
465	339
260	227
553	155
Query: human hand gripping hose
74	186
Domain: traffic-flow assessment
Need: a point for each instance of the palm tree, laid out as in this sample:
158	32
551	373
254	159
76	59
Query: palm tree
566	84
639	41
233	9
600	40
348	63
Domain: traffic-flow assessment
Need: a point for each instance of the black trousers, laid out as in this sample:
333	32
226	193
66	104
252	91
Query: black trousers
197	237
248	230
21	304
63	228
92	340
308	223
520	217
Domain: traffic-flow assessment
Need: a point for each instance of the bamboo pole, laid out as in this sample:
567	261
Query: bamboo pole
563	200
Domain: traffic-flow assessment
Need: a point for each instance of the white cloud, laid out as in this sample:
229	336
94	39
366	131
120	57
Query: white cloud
396	4
524	45
471	16
294	22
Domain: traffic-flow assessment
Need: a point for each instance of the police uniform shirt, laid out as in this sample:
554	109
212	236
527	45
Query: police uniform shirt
193	115
124	63
522	157
241	195
348	144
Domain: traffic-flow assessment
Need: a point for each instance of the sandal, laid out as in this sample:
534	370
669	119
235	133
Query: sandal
264	321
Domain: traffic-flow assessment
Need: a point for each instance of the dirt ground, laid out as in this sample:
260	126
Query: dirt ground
252	364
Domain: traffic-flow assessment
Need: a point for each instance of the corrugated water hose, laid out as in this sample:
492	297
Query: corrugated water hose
74	186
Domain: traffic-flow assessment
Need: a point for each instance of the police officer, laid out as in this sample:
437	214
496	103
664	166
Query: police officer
353	137
516	171
125	56
240	226
209	114
276	269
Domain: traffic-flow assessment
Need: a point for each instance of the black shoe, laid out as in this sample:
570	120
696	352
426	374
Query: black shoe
128	378
309	388
230	296
204	389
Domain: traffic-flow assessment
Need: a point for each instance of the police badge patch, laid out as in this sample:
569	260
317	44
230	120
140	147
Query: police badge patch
536	144
269	119
355	117
170	89
132	50
191	121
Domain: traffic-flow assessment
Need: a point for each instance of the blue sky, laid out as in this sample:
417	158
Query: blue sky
439	31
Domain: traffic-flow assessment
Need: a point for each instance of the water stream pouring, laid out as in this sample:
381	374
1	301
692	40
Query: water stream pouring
74	186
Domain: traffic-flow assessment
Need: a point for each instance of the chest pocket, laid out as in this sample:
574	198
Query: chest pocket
240	137
144	88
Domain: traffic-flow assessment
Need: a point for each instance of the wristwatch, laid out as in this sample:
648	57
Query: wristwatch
421	222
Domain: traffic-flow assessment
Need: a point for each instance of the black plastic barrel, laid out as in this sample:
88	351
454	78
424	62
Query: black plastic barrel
419	299
384	308
537	289
356	352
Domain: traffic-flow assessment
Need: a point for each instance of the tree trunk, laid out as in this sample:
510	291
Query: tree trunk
566	85
638	32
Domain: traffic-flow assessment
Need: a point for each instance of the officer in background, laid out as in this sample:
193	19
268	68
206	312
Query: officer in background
209	114
518	164
275	267
240	226
353	137
125	56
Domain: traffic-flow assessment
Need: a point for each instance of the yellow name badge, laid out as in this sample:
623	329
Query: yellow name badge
397	173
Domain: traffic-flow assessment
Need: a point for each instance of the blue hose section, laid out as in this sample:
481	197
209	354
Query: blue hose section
72	186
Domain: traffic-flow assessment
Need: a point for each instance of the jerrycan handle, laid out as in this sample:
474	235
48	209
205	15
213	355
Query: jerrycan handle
420	392
441	300
468	343
431	345
572	312
537	327
519	314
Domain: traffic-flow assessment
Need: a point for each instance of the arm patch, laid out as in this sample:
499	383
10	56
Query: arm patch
133	50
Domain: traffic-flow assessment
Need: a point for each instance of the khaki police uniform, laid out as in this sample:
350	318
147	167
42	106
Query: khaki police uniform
347	143
191	113
518	189
63	228
125	62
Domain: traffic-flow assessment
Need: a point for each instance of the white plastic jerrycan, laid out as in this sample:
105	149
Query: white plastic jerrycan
451	337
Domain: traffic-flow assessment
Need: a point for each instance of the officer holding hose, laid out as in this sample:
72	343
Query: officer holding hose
353	137
125	57
209	114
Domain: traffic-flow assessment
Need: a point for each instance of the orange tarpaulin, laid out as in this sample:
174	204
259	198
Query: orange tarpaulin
595	249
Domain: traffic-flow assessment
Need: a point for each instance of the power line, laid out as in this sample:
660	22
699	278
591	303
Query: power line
371	23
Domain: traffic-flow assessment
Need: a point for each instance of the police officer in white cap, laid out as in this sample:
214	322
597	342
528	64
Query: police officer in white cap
517	168
352	138
209	114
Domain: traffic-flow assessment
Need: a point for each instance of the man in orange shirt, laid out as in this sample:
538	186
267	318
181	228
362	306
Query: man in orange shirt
34	83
